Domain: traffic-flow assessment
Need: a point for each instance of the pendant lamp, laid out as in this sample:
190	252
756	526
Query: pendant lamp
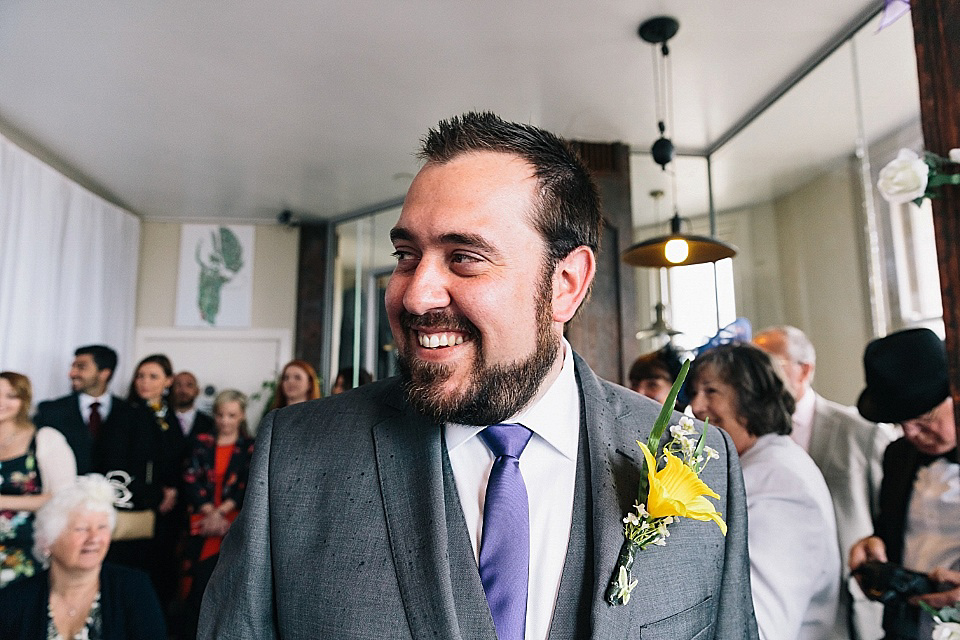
677	248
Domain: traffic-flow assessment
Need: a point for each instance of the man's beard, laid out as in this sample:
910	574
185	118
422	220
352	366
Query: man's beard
493	392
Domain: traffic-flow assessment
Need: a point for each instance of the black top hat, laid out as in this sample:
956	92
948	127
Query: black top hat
906	376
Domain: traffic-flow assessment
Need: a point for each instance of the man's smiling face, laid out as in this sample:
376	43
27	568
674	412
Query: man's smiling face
470	303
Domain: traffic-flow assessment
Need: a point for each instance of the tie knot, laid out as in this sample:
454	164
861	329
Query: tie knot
94	405
506	439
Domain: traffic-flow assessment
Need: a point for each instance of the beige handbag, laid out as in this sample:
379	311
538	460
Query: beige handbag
134	525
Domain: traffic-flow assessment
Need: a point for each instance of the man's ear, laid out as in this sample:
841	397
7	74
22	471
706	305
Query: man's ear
807	372
571	282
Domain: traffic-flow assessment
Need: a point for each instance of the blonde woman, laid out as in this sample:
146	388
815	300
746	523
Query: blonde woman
33	464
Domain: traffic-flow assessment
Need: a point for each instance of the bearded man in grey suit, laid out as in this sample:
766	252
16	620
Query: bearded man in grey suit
849	453
370	514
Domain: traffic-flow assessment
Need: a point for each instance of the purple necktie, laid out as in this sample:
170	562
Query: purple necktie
505	544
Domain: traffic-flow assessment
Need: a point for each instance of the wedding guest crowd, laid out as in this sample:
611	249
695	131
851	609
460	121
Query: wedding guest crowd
811	470
179	473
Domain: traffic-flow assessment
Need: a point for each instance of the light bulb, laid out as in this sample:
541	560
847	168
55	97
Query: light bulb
676	250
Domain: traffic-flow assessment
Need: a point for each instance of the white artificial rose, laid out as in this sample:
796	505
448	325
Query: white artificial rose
947	631
904	179
954	156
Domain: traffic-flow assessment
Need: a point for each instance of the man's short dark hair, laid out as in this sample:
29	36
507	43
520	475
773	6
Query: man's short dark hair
763	400
103	356
568	215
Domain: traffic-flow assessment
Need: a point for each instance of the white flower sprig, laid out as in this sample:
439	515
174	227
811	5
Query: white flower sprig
947	621
665	494
910	178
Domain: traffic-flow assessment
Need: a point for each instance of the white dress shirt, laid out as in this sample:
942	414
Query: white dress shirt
803	419
548	465
106	401
186	419
932	535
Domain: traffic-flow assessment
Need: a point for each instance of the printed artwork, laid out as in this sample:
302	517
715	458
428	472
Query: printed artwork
215	283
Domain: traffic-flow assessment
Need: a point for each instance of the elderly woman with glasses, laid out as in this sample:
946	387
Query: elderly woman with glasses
78	596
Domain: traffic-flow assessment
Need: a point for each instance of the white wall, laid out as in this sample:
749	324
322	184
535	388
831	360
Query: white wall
225	358
808	270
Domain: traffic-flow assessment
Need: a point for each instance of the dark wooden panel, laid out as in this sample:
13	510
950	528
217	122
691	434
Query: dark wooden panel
598	332
311	278
936	32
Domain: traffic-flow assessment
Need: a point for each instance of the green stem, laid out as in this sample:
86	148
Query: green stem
628	553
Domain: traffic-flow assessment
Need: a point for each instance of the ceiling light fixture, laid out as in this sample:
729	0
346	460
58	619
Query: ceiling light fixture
677	248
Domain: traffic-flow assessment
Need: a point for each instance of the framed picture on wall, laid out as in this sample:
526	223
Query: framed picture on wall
215	278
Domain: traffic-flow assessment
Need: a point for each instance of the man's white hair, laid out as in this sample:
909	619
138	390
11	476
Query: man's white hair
91	492
799	347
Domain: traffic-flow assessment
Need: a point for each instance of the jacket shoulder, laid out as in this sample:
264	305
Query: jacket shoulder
57	404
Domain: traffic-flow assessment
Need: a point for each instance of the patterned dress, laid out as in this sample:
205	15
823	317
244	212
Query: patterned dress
92	627
18	476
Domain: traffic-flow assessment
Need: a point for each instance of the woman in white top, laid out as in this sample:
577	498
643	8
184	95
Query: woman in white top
33	464
794	559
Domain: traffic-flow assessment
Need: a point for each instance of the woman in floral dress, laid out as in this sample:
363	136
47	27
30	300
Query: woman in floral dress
33	463
214	484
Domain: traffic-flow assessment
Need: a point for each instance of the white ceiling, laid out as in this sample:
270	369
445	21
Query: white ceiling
219	109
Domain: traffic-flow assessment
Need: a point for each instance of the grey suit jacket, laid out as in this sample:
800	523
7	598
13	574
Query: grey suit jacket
849	452
343	533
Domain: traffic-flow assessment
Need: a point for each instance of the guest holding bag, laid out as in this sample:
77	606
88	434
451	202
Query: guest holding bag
80	596
214	484
33	464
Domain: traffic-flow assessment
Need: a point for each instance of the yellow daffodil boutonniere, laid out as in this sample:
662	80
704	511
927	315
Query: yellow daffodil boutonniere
670	488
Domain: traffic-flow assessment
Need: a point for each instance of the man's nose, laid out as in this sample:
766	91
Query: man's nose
427	289
910	428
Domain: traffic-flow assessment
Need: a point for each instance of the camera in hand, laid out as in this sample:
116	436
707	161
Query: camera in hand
886	582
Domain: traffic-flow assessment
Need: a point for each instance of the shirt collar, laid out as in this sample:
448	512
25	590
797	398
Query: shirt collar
555	417
803	414
105	401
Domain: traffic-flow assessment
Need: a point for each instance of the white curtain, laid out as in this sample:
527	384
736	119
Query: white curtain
68	273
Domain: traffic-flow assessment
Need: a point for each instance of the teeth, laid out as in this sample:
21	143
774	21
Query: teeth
436	340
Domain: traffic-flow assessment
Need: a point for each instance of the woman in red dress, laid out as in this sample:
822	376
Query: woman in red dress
214	484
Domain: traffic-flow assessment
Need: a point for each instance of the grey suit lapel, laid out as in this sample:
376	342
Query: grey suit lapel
614	478
822	431
473	614
408	452
571	616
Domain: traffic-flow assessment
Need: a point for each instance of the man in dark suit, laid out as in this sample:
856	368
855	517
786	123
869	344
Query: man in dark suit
481	494
918	525
108	434
89	412
183	396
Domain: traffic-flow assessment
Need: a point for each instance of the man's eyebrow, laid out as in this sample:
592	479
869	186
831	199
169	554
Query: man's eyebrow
466	239
469	240
399	233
